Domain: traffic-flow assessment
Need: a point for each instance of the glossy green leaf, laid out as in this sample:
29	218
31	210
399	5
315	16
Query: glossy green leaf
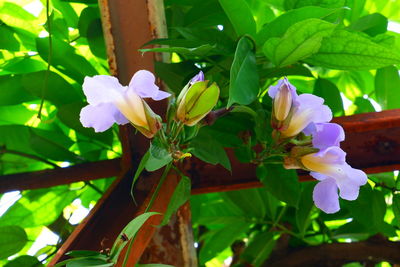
240	15
158	155
244	81
180	196
201	51
396	208
305	206
206	148
330	93
38	207
387	87
363	105
129	232
65	58
250	201
282	183
281	24
259	248
220	239
290	4
25	261
300	41
372	24
369	209
12	92
353	51
13	239
7	39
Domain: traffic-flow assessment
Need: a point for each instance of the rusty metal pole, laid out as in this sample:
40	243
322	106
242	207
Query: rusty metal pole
127	25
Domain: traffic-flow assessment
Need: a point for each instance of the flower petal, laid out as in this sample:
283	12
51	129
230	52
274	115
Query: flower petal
102	89
350	186
309	109
273	90
101	117
143	83
197	78
326	197
325	134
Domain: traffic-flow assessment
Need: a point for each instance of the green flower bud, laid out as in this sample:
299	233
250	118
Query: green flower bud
196	101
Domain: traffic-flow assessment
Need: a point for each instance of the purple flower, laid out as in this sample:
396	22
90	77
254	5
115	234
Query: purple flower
308	109
325	135
110	102
283	95
330	168
197	78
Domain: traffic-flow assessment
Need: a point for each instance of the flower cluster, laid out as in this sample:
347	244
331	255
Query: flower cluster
300	116
110	102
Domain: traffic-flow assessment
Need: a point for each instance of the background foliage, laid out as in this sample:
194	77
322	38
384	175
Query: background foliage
339	50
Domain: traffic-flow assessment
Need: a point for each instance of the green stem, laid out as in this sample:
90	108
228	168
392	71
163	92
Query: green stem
178	130
153	197
46	77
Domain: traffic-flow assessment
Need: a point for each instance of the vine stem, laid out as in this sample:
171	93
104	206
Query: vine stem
153	197
46	77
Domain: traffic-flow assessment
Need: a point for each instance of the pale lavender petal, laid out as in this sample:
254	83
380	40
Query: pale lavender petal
309	109
197	78
102	89
273	90
350	186
332	155
99	117
325	135
120	118
143	83
326	197
161	95
318	176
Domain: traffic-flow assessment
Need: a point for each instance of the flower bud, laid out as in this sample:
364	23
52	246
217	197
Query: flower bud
283	95
195	101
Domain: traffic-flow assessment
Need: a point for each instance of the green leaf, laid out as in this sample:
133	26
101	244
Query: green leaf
201	51
244	81
249	201
219	239
240	15
65	59
283	184
13	239
396	208
290	4
38	207
129	232
387	87
206	148
25	261
352	51
153	265
89	26
259	248
12	92
7	39
306	204
59	91
140	168
84	253
330	93
363	105
69	115
159	156
180	196
372	24
19	65
300	41
369	209
281	24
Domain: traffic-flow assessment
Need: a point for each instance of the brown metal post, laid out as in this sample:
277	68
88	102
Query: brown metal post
127	25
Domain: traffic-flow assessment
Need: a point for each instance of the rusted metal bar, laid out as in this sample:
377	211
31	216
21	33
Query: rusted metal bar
53	177
372	144
127	25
